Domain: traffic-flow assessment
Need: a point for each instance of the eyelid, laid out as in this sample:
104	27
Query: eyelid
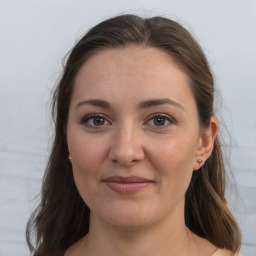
86	118
168	118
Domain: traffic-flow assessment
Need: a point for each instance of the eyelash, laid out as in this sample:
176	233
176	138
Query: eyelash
85	120
164	116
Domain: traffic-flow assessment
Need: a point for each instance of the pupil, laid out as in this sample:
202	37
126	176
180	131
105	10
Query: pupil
159	121
98	121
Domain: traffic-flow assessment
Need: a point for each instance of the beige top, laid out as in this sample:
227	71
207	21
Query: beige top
224	252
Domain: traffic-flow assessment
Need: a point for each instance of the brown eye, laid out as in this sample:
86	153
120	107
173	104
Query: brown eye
159	121
95	121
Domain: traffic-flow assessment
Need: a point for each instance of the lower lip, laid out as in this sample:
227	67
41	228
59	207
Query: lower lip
127	188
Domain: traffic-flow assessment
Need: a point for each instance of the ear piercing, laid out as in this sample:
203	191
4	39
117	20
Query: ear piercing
69	158
200	161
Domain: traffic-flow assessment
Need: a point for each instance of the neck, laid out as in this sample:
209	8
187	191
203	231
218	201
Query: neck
167	238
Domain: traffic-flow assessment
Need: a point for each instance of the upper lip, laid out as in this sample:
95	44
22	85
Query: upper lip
130	179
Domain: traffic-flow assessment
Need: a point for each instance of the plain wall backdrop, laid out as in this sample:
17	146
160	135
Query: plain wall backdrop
35	36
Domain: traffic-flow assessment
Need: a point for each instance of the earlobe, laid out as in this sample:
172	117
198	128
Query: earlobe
198	164
206	144
200	161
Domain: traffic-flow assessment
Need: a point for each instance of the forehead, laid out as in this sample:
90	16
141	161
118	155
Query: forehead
136	59
135	72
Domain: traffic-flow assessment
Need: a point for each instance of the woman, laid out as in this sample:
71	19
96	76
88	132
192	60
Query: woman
136	166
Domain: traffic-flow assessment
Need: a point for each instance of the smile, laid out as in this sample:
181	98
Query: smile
127	185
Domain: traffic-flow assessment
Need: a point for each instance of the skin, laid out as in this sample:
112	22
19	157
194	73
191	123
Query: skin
159	142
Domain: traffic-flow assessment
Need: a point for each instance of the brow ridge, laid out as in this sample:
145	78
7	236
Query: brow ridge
155	102
142	105
95	102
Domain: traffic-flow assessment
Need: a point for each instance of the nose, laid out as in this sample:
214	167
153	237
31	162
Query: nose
126	149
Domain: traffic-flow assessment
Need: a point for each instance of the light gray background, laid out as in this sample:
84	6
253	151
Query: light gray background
34	37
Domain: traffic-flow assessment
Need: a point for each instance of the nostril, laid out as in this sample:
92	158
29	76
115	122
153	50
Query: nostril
126	149
124	162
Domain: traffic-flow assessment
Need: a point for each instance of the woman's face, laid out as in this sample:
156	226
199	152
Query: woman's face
134	137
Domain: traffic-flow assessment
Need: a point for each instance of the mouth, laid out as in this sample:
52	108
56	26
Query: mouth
127	185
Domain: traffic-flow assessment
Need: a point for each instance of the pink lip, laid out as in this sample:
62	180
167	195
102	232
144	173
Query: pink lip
127	185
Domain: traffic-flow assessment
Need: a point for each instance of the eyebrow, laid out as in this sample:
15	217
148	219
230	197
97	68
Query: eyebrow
95	102
156	102
142	105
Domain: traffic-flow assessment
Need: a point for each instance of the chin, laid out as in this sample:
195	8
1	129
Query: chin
129	216
130	222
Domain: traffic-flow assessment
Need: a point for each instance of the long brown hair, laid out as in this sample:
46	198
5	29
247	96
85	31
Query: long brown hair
62	217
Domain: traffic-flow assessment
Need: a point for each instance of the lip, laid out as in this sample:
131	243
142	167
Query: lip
127	185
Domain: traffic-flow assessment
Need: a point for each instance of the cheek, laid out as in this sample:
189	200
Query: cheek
87	152
175	154
174	162
87	155
86	165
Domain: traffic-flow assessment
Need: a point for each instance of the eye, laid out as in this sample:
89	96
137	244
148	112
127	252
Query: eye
160	120
95	121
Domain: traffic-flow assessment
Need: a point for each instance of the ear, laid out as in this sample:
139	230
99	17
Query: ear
205	143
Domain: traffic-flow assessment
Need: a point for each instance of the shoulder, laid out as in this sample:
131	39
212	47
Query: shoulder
224	252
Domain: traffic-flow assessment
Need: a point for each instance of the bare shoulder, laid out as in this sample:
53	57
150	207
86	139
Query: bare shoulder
224	252
206	248
75	249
